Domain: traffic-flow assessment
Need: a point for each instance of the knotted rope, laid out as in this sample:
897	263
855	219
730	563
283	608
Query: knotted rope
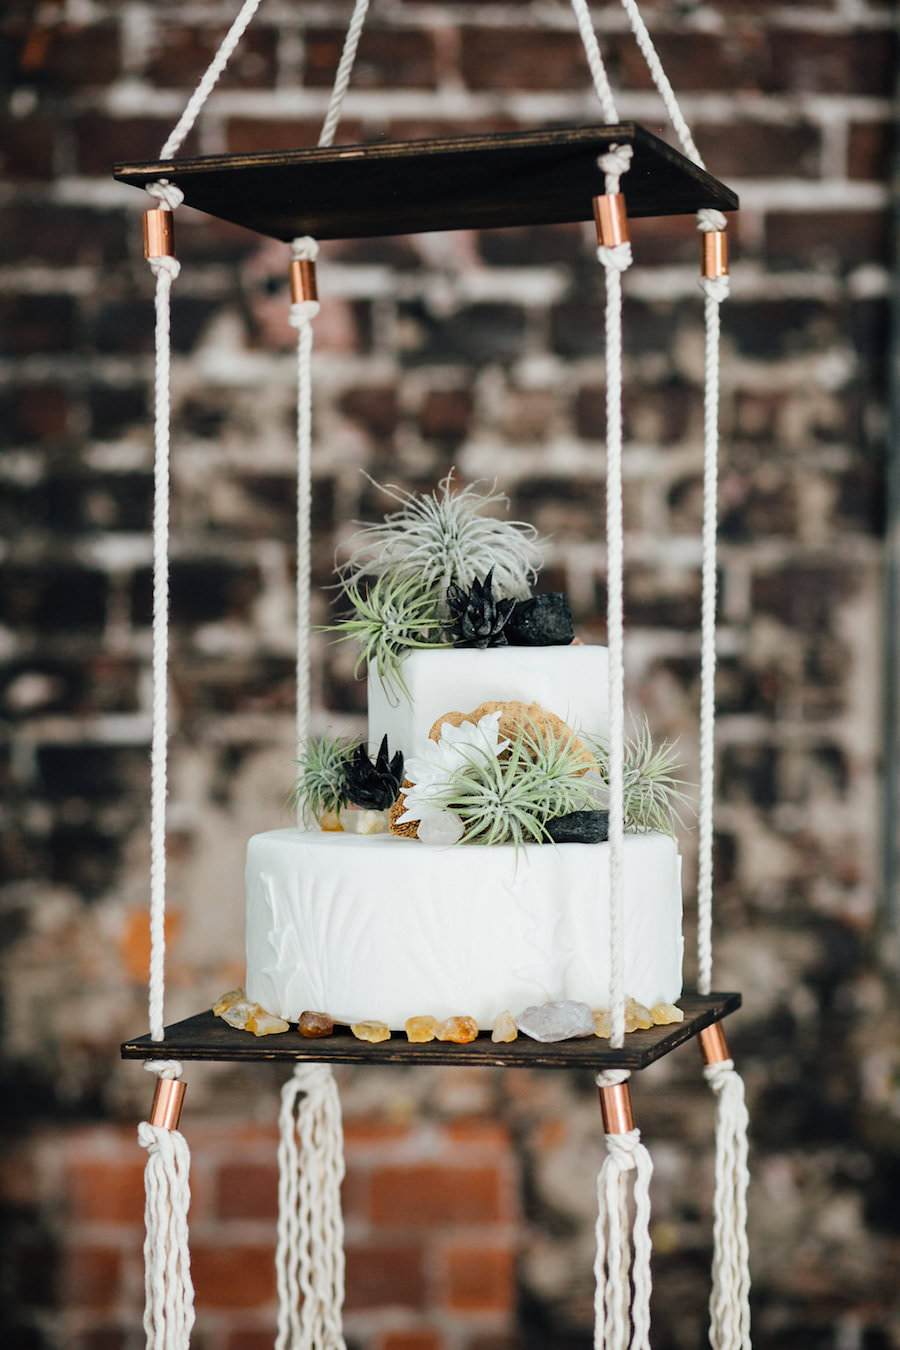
618	1254
310	1255
729	1300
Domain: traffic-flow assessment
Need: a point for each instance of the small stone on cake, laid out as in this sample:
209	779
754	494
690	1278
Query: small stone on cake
460	1030
664	1014
637	1017
236	1010
420	1029
504	1028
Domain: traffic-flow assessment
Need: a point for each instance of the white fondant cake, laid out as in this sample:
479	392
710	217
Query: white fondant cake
568	681
384	928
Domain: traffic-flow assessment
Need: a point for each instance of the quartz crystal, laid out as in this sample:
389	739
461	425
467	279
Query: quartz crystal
441	827
420	1029
665	1013
461	1030
602	1023
331	821
359	820
371	1031
504	1028
637	1017
556	1021
237	1011
312	1025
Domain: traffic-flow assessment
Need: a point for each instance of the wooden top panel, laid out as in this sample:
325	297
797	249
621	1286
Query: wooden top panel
410	187
207	1037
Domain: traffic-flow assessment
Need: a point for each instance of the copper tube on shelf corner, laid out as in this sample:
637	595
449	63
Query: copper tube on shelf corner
611	219
715	254
159	233
713	1045
168	1100
615	1104
303	280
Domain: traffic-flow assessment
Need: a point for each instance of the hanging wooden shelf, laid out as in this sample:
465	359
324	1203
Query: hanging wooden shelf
460	182
209	1038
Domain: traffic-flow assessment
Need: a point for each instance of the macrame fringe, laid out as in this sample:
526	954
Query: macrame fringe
310	1254
169	1293
729	1300
622	1263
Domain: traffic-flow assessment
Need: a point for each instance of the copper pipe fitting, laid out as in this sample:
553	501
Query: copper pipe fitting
713	1046
611	219
167	1102
159	234
615	1104
715	254
303	280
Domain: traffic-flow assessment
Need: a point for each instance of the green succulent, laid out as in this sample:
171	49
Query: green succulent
388	620
320	786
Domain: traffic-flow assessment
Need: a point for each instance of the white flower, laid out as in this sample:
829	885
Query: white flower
430	772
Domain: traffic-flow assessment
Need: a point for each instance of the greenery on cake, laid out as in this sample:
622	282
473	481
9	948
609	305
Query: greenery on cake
502	790
445	537
651	792
321	786
437	572
388	620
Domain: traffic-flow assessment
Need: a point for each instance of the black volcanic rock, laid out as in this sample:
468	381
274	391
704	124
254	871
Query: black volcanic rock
579	827
541	621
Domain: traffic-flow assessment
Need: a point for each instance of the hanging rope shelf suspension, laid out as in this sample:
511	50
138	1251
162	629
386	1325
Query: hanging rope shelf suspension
612	172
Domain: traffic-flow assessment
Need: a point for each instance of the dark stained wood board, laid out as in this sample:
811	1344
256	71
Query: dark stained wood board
206	1037
409	187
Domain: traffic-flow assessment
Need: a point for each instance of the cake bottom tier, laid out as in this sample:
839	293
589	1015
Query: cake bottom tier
383	928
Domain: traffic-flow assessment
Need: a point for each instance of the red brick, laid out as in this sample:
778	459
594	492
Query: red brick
100	1191
446	415
480	1279
26	147
91	1277
500	58
421	1338
429	1195
826	240
247	1191
386	58
101	142
869	150
737	59
249	1338
233	1276
37	323
66	55
373	1133
184	52
753	149
40	410
385	1275
484	1133
65	235
248	134
803	61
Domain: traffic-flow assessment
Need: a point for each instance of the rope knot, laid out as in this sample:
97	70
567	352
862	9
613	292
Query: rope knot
304	248
167	193
302	312
164	1068
313	1079
617	259
710	221
166	266
718	1074
715	288
616	160
622	1149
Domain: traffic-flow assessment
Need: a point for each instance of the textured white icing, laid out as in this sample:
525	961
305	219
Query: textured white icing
384	928
568	681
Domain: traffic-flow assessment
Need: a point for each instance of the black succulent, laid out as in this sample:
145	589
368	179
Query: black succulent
477	619
373	786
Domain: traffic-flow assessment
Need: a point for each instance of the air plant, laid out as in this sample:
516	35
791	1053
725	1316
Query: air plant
477	619
388	620
320	788
445	537
652	794
373	786
506	794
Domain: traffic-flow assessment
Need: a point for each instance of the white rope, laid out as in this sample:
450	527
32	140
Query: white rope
209	79
661	80
301	316
615	261
169	1293
595	61
729	1302
165	270
310	1255
613	1262
344	72
716	288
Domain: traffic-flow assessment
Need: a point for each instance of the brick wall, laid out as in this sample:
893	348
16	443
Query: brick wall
479	350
